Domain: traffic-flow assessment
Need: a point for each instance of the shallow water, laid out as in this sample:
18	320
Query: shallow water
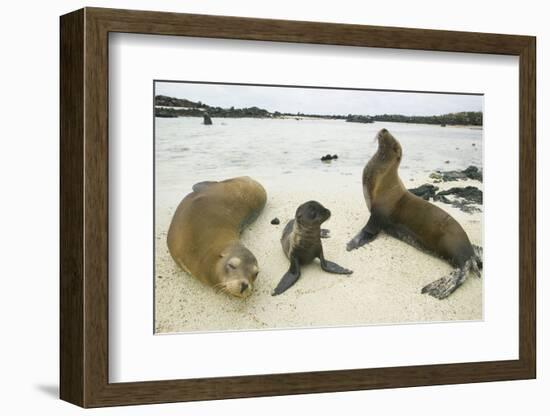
188	152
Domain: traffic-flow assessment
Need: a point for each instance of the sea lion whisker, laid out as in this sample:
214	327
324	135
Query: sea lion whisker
220	287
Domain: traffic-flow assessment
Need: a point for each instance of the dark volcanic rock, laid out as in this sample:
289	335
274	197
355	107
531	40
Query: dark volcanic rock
469	193
328	158
464	198
471	172
275	221
425	191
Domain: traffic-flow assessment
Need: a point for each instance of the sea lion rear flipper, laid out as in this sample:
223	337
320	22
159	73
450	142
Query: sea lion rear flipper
290	277
331	267
478	250
366	235
441	288
202	185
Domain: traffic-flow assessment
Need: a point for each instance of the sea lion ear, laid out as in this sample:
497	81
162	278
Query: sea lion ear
202	185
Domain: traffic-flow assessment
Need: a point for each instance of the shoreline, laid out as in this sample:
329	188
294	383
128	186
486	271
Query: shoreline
312	117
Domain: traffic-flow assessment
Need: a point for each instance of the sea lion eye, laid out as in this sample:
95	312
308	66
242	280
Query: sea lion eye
255	275
234	262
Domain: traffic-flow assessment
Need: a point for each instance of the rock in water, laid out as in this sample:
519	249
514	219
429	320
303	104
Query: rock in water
328	158
207	121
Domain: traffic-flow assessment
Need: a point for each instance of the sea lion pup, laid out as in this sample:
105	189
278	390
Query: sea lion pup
203	237
409	218
301	241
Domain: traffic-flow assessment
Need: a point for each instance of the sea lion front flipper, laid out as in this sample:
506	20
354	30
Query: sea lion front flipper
290	277
325	233
366	235
202	185
331	267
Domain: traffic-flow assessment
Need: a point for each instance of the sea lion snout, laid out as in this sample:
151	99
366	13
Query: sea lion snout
389	148
237	269
384	136
241	288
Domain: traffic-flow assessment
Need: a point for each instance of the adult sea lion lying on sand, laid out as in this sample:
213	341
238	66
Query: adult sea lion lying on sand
301	243
405	216
203	237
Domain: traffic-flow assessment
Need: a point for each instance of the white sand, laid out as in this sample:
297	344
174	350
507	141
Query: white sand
384	288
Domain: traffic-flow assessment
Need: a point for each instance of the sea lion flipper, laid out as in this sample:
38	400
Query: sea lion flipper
325	233
289	278
366	235
441	288
478	250
202	185
331	267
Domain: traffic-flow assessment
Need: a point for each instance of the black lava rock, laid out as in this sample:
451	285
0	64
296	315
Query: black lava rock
469	193
328	158
426	191
471	172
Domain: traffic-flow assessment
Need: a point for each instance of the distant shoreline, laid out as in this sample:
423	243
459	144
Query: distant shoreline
170	107
299	118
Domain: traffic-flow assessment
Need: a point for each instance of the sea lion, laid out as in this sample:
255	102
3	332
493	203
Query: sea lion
410	218
301	241
203	237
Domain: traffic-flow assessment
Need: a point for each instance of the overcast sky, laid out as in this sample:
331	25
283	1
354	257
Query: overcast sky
321	101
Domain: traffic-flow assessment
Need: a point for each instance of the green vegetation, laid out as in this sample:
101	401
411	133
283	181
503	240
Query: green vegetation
176	107
473	118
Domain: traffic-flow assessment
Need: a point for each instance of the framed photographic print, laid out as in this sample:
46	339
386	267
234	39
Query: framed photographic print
255	207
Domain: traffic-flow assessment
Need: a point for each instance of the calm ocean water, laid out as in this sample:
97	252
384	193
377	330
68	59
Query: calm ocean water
188	152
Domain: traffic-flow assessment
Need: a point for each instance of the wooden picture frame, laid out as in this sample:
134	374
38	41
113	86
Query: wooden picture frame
84	207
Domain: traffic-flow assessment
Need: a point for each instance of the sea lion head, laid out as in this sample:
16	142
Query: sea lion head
237	271
311	213
389	150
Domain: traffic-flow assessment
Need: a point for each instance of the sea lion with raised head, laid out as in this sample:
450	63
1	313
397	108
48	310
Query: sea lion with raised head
203	237
301	241
409	218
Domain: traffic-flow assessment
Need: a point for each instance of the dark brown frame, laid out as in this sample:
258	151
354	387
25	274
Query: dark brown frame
84	207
